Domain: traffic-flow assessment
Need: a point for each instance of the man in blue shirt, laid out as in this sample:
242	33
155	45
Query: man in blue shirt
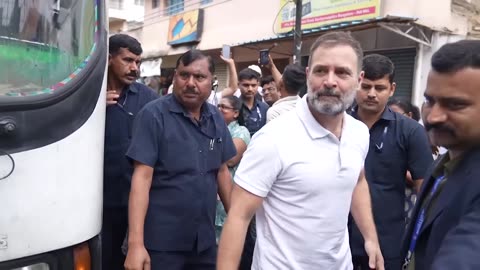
254	112
397	144
125	98
180	147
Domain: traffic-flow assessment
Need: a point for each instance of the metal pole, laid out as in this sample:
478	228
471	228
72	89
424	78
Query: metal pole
297	36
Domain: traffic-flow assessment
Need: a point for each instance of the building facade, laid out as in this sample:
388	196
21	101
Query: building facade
407	31
124	15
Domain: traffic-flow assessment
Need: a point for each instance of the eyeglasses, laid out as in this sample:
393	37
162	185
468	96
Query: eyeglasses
270	89
224	107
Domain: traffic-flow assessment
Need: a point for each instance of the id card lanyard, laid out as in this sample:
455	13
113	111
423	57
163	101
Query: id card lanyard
420	221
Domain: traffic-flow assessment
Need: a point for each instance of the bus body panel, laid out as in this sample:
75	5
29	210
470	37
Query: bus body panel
53	198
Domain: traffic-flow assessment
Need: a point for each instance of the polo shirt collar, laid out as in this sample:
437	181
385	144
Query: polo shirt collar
387	114
255	104
176	107
132	88
313	128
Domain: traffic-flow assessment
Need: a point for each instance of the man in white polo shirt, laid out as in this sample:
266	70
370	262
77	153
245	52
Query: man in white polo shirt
303	173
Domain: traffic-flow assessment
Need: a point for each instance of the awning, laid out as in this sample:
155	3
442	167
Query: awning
350	25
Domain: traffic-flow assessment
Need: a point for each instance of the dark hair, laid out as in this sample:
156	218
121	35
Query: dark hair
455	56
193	55
235	102
248	74
376	66
237	105
406	106
332	39
266	80
294	79
118	41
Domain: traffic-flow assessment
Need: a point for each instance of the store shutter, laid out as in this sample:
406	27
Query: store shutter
404	61
222	75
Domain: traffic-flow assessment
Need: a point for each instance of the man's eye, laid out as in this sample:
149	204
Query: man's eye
200	77
456	105
184	75
428	101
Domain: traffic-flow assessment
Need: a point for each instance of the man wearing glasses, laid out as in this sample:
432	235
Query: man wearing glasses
397	144
125	98
270	90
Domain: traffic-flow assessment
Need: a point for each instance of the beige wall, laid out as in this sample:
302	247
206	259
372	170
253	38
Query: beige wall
238	21
116	26
435	14
225	22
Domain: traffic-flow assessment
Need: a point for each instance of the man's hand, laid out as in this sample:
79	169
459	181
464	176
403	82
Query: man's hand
112	97
137	258
375	258
228	61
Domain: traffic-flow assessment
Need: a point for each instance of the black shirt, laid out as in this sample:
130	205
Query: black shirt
118	123
186	156
397	144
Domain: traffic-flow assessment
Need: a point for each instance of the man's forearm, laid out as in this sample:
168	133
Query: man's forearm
224	186
232	79
361	210
277	76
231	243
137	209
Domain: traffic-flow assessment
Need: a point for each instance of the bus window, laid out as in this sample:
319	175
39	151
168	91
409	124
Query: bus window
43	44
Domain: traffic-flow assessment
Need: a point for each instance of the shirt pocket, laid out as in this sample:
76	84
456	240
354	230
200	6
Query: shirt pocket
214	154
181	157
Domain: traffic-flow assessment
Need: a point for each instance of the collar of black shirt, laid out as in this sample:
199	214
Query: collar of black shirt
176	107
387	114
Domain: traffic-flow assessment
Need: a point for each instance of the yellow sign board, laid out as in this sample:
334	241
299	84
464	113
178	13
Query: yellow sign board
317	13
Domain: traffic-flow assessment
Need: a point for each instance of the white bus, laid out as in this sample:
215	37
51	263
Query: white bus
53	56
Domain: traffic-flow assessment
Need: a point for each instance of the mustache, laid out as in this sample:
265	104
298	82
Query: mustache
327	92
133	74
191	91
439	128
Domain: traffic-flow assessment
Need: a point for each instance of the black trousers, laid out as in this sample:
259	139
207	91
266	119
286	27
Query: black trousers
184	260
361	263
115	222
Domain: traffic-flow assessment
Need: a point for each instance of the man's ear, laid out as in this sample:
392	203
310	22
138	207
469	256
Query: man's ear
394	87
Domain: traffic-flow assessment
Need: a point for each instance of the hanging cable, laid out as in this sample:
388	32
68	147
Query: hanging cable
3	153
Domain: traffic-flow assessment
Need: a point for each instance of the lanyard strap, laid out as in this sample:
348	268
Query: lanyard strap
420	221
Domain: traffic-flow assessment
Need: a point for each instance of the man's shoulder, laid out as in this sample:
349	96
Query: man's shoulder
145	90
282	123
263	105
356	125
159	105
407	124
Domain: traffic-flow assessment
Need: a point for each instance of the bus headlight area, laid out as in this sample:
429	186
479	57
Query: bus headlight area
37	266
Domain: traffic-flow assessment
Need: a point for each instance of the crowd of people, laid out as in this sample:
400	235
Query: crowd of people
310	168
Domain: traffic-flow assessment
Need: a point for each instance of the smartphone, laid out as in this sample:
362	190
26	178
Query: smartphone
264	57
226	51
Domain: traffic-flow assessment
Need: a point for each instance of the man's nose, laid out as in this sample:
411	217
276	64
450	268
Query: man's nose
134	66
435	114
330	81
371	93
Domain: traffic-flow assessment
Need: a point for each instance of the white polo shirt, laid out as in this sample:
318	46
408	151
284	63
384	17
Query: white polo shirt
306	177
282	106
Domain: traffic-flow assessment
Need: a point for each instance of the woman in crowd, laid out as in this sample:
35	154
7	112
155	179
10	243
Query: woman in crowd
230	107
